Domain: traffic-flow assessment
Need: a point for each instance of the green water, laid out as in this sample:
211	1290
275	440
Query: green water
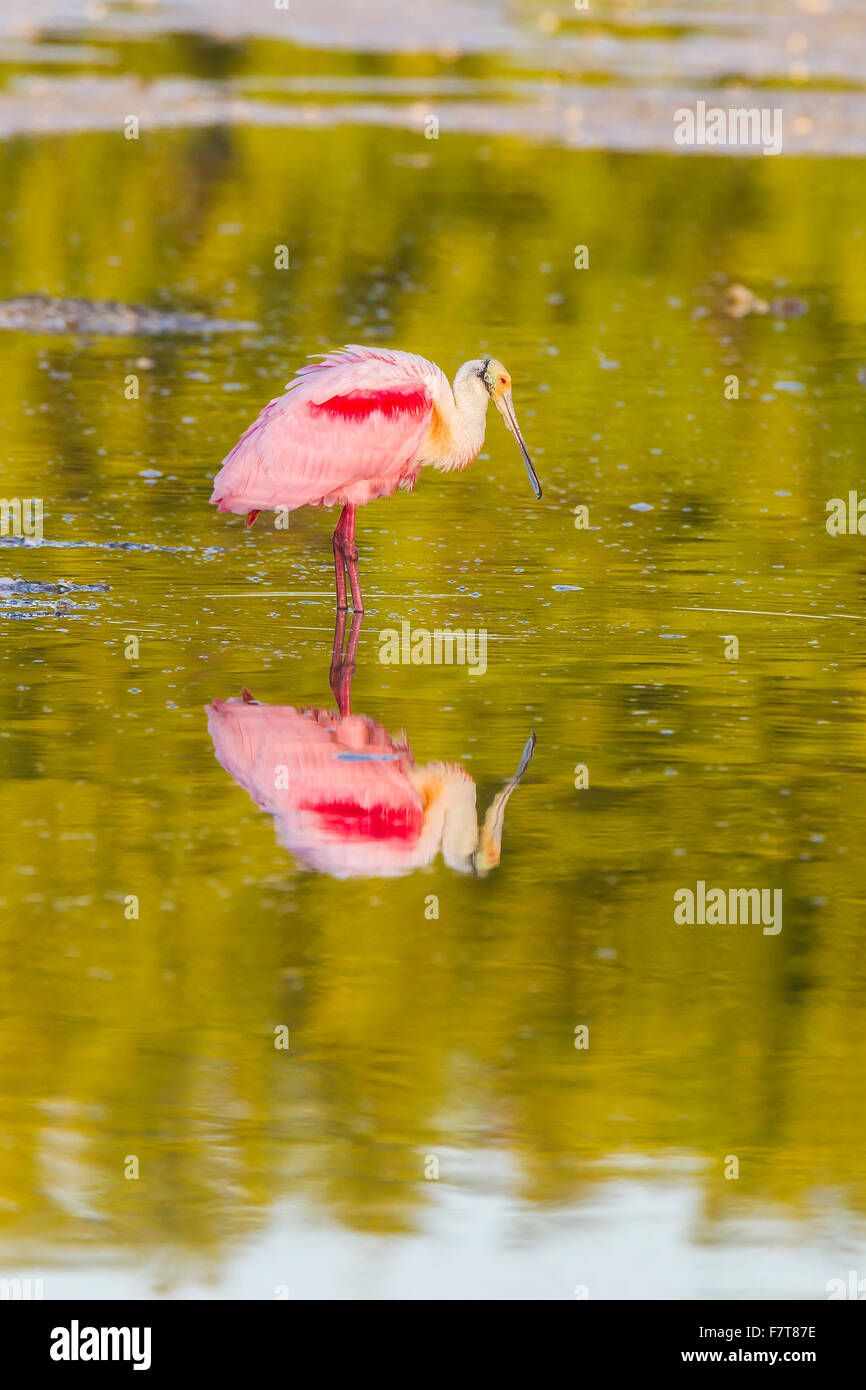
413	1036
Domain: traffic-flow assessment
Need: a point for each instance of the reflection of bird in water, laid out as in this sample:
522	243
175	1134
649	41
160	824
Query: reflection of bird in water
355	427
348	799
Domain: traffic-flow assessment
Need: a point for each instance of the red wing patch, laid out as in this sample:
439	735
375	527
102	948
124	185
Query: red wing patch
360	405
352	821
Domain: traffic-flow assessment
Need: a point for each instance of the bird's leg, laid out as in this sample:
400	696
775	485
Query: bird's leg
352	648
337	650
350	551
343	667
340	564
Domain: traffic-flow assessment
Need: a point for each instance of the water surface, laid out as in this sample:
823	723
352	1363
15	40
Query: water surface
415	1036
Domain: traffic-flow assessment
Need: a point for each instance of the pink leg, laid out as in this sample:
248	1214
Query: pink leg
350	551
343	667
340	563
334	678
352	645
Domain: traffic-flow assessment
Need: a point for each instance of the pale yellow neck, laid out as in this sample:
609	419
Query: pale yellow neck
456	432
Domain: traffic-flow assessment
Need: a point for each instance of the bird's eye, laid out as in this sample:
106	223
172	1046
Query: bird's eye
503	381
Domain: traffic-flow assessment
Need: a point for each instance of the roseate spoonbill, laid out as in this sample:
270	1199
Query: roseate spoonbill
347	798
353	428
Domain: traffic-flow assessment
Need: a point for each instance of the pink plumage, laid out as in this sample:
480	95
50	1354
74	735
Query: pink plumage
355	427
346	431
347	798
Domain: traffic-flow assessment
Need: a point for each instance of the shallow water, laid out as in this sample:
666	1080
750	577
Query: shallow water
413	1036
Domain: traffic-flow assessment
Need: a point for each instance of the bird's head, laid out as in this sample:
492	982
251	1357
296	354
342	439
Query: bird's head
495	378
486	380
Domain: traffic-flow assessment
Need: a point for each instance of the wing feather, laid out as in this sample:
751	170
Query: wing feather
346	429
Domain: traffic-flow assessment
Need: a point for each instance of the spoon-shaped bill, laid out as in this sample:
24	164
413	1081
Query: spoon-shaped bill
486	857
525	759
505	406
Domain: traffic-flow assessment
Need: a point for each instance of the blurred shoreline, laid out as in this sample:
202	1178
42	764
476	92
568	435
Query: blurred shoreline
575	118
611	77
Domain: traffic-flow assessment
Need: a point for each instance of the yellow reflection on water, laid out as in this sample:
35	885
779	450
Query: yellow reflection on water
152	1033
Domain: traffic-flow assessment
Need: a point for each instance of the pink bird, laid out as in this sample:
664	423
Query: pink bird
355	427
348	799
